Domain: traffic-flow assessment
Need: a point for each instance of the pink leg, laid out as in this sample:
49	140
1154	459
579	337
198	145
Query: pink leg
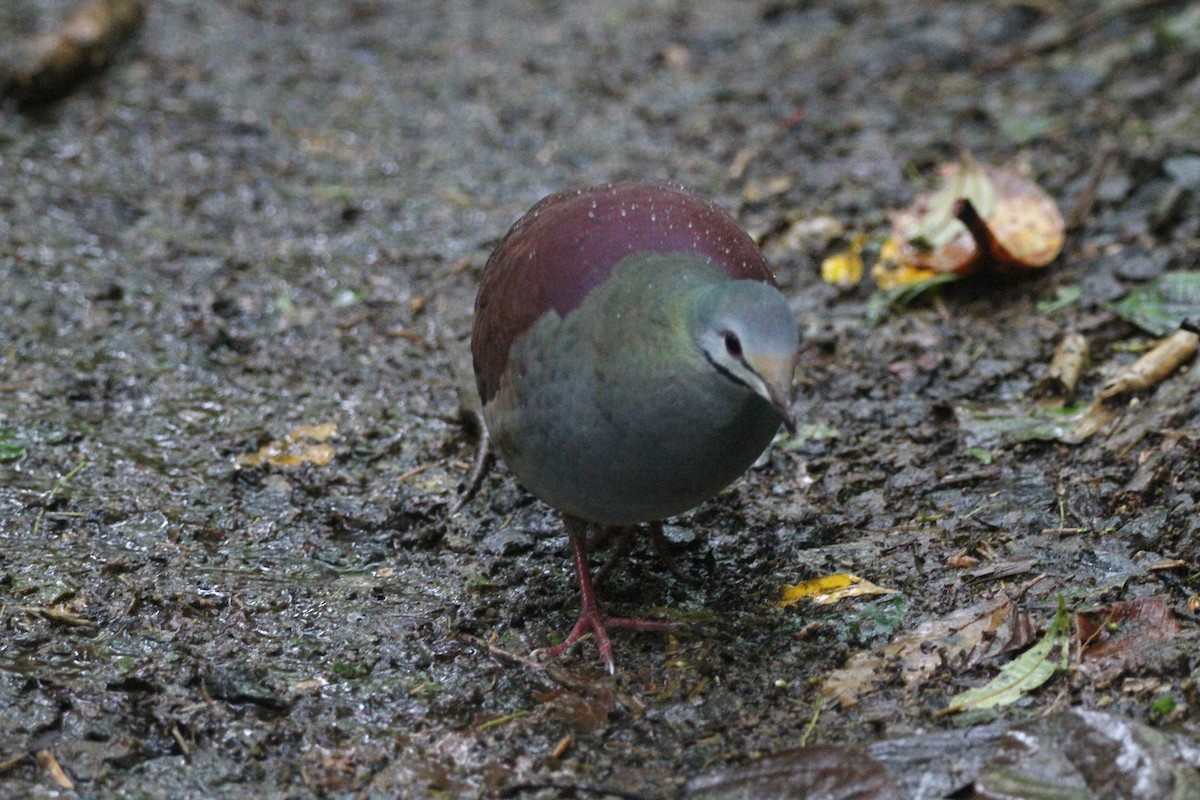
590	619
621	549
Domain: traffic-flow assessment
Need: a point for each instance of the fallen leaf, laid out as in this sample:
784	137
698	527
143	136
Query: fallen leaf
987	425
1112	638
892	272
307	444
982	218
901	294
963	561
829	589
1163	304
963	637
938	225
1064	297
827	771
1082	754
1023	674
845	269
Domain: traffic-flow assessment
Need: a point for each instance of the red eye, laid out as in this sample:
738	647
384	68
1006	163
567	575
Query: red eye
733	345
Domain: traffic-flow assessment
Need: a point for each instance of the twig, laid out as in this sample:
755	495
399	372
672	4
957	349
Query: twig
10	764
812	723
483	449
59	616
1159	363
968	215
57	774
184	750
84	44
561	747
555	674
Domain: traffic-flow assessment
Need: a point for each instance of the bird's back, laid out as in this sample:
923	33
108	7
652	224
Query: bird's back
568	244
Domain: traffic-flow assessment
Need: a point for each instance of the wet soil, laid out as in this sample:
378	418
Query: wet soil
273	214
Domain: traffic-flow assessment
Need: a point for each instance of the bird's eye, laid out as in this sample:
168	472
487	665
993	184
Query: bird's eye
733	345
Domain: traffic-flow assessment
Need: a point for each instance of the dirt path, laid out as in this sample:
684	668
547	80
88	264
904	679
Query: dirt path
274	214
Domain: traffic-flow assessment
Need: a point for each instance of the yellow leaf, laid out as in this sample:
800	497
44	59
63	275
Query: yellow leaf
321	432
891	271
304	445
845	269
829	589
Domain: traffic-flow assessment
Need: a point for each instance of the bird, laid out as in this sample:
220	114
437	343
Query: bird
634	356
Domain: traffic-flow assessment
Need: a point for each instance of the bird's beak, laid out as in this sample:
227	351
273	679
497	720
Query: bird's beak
776	386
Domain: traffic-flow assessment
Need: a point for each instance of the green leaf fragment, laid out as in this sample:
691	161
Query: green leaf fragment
1162	305
884	301
11	448
986	426
1064	297
1025	673
980	454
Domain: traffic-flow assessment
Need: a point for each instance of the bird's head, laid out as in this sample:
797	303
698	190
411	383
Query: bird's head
749	336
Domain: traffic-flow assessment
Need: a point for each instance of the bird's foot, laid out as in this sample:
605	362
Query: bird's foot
593	622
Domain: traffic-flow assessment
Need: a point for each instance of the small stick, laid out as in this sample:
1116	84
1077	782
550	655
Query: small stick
483	449
1058	384
59	616
10	764
51	765
561	747
1152	368
84	44
966	213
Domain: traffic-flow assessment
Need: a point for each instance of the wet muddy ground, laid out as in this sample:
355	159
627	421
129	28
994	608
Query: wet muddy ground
269	215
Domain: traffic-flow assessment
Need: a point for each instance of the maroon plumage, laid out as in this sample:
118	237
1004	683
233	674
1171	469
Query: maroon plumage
568	243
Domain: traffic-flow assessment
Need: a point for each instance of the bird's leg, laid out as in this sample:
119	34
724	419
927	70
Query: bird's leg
621	549
590	619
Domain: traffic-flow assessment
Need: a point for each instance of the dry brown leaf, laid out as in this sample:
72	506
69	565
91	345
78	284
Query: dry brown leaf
1026	226
963	637
1023	228
1112	638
